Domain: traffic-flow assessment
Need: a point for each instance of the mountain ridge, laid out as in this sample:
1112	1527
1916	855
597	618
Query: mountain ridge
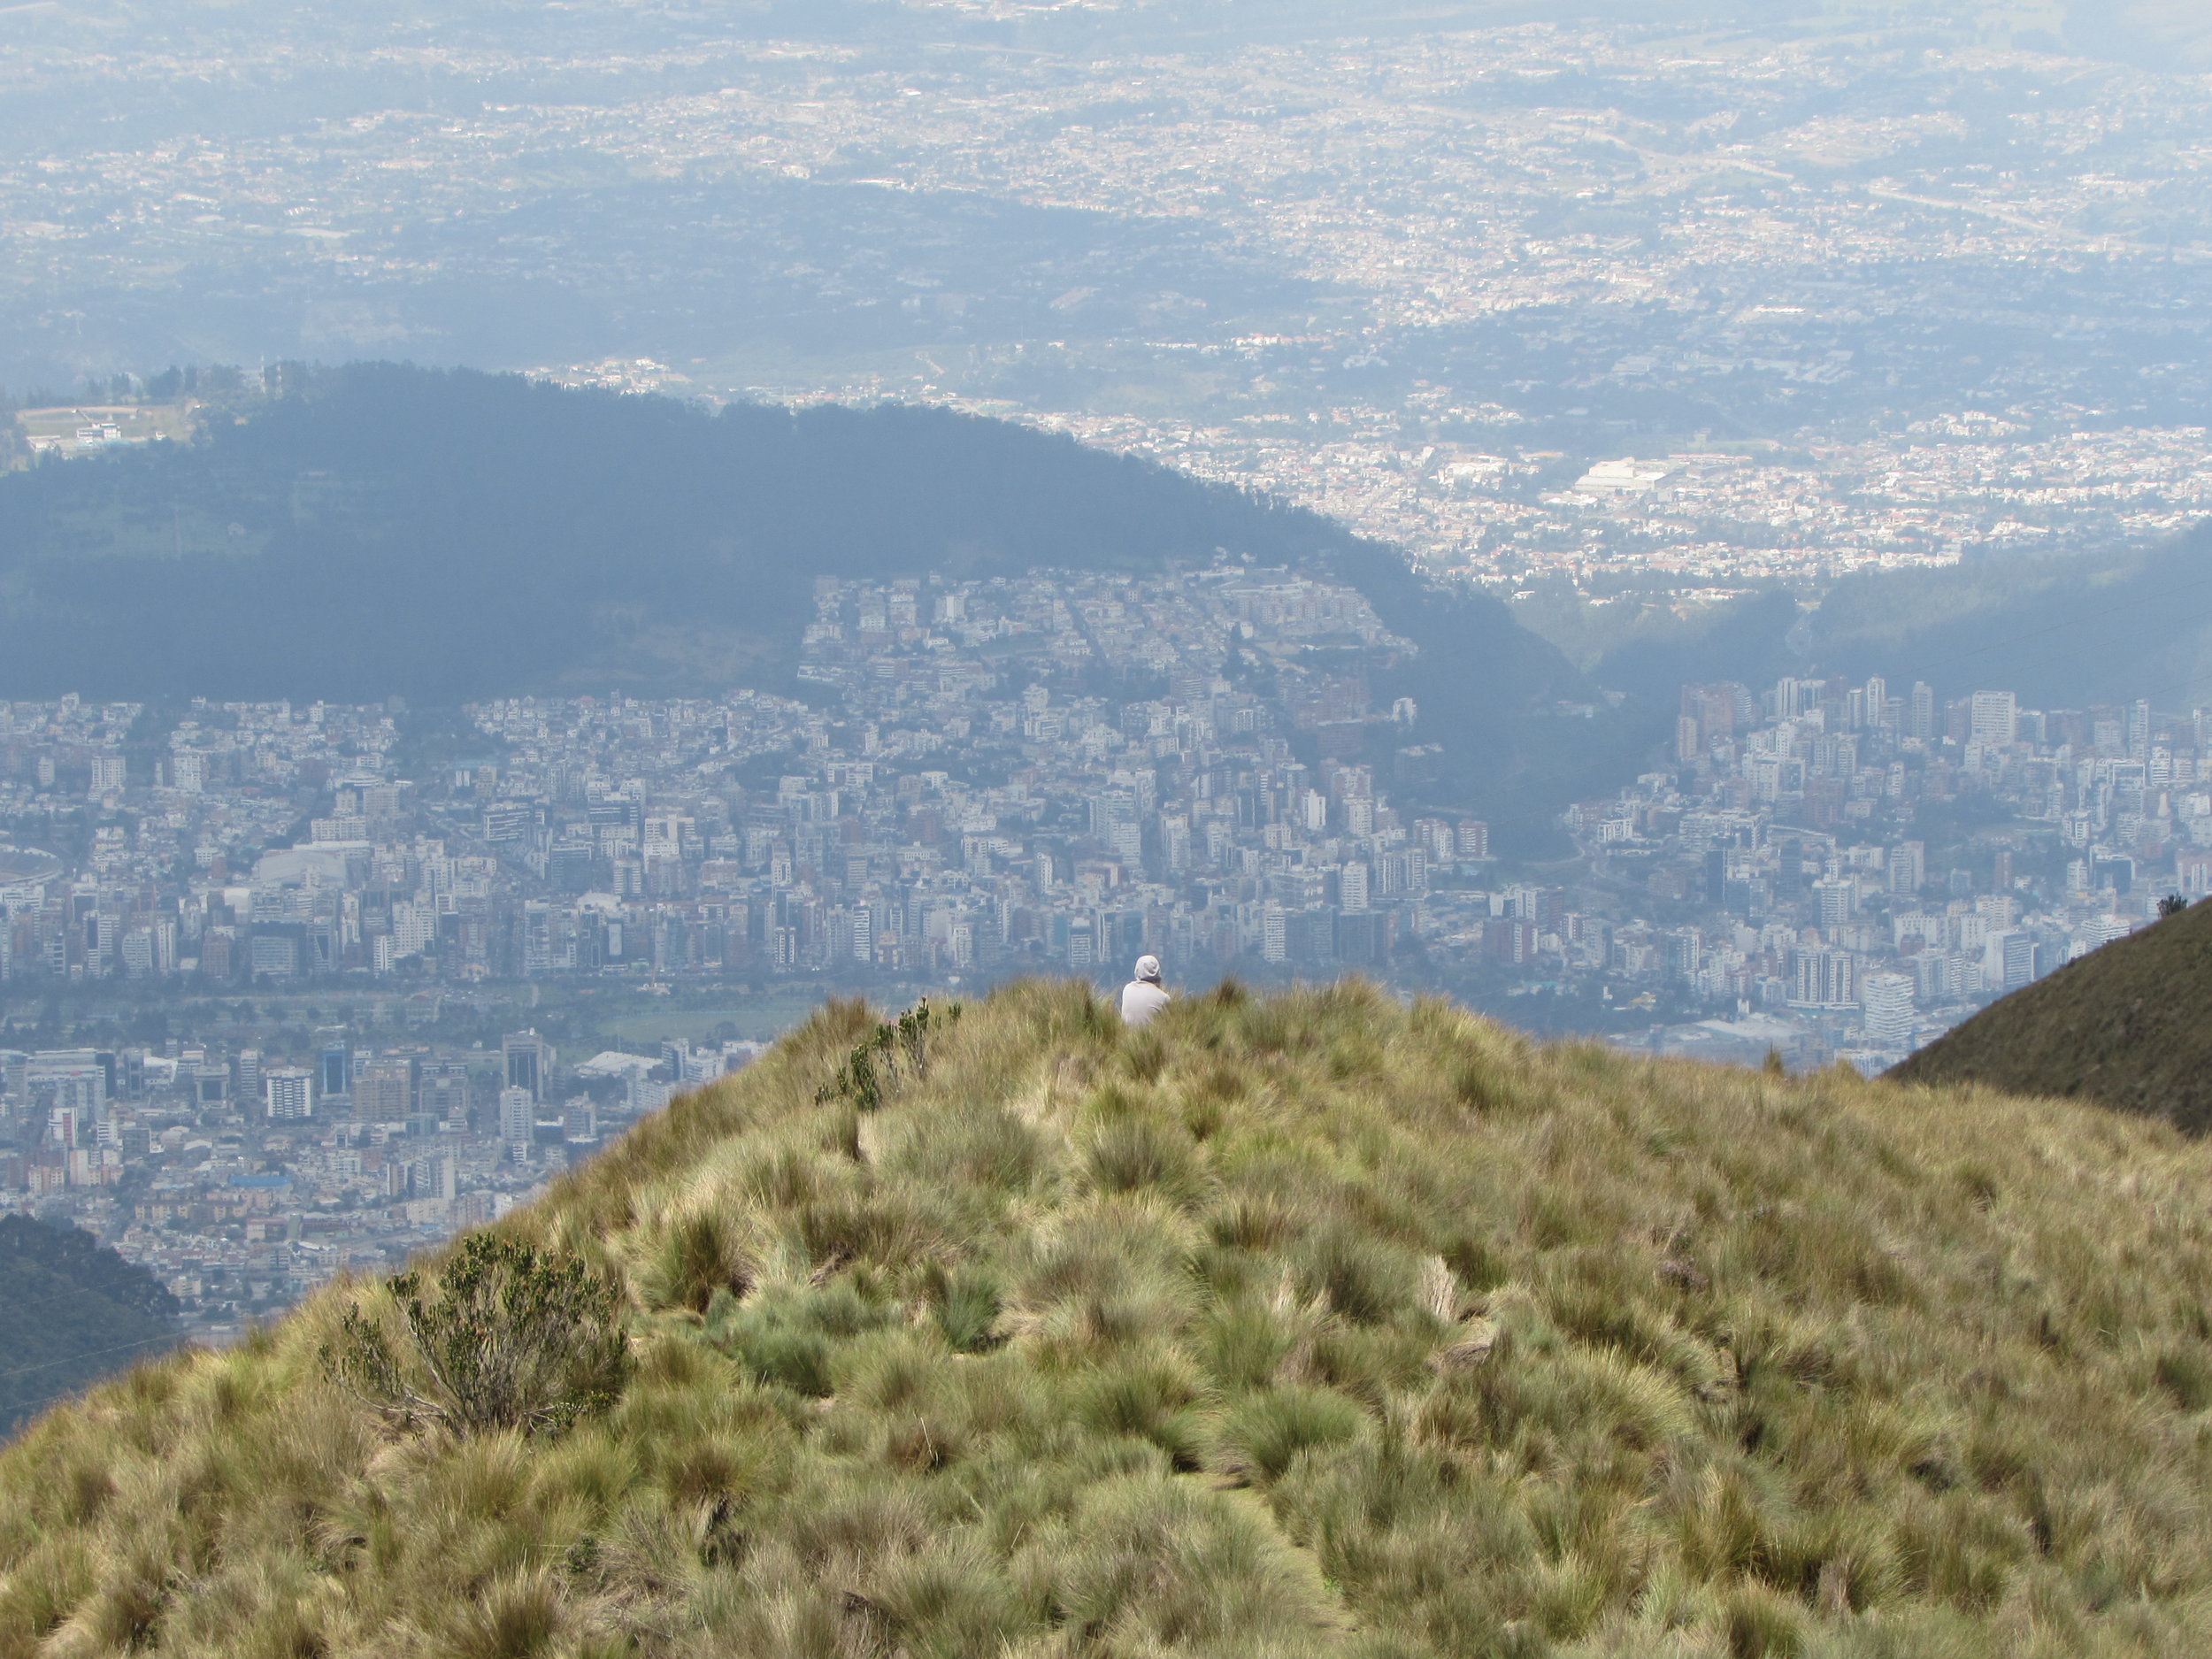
70	1309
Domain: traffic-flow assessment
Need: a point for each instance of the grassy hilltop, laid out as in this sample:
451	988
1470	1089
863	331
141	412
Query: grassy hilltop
1308	1324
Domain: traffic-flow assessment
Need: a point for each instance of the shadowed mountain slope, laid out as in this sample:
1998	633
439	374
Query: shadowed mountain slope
1305	1325
452	535
2129	1025
71	1312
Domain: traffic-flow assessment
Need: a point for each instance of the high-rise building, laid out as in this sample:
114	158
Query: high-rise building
1921	712
288	1093
444	1094
384	1092
336	1073
1887	999
2008	960
248	1074
1823	977
1995	719
1833	894
1685	948
529	1063
1908	867
1793	697
1352	888
518	1117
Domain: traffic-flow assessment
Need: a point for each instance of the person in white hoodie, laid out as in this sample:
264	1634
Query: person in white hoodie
1142	997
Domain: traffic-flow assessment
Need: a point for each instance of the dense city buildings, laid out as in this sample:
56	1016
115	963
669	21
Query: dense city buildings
242	1185
1051	773
1787	881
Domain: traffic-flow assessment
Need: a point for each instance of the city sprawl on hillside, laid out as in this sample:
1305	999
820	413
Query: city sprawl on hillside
1695	307
969	813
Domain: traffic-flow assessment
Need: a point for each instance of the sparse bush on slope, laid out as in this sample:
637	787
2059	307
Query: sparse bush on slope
1301	1325
503	1337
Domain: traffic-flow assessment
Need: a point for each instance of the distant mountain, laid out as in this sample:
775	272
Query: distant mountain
2130	1025
2063	632
451	535
71	1312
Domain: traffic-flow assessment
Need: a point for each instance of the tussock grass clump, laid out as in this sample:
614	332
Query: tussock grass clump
1310	1325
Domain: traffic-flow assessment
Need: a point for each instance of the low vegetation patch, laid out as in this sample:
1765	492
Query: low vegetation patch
1310	1325
504	1336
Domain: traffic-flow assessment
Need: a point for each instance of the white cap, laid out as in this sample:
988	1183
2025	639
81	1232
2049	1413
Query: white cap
1148	967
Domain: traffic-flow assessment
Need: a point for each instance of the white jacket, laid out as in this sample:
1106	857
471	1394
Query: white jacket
1141	999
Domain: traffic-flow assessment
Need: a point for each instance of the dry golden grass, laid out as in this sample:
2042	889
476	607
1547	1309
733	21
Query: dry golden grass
1301	1325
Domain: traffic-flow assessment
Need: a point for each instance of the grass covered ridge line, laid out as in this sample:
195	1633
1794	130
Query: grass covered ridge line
1310	1325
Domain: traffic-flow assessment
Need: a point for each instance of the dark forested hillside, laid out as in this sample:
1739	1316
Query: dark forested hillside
450	535
2064	633
70	1311
446	536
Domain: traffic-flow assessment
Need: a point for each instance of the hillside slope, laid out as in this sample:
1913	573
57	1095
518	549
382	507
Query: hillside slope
2129	1025
1305	1325
449	536
2136	619
70	1311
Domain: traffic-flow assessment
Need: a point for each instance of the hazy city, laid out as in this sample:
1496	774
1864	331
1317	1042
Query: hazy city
1105	827
1768	892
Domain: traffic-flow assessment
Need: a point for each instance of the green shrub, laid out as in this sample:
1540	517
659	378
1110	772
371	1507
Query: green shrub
504	1336
965	1301
790	1338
